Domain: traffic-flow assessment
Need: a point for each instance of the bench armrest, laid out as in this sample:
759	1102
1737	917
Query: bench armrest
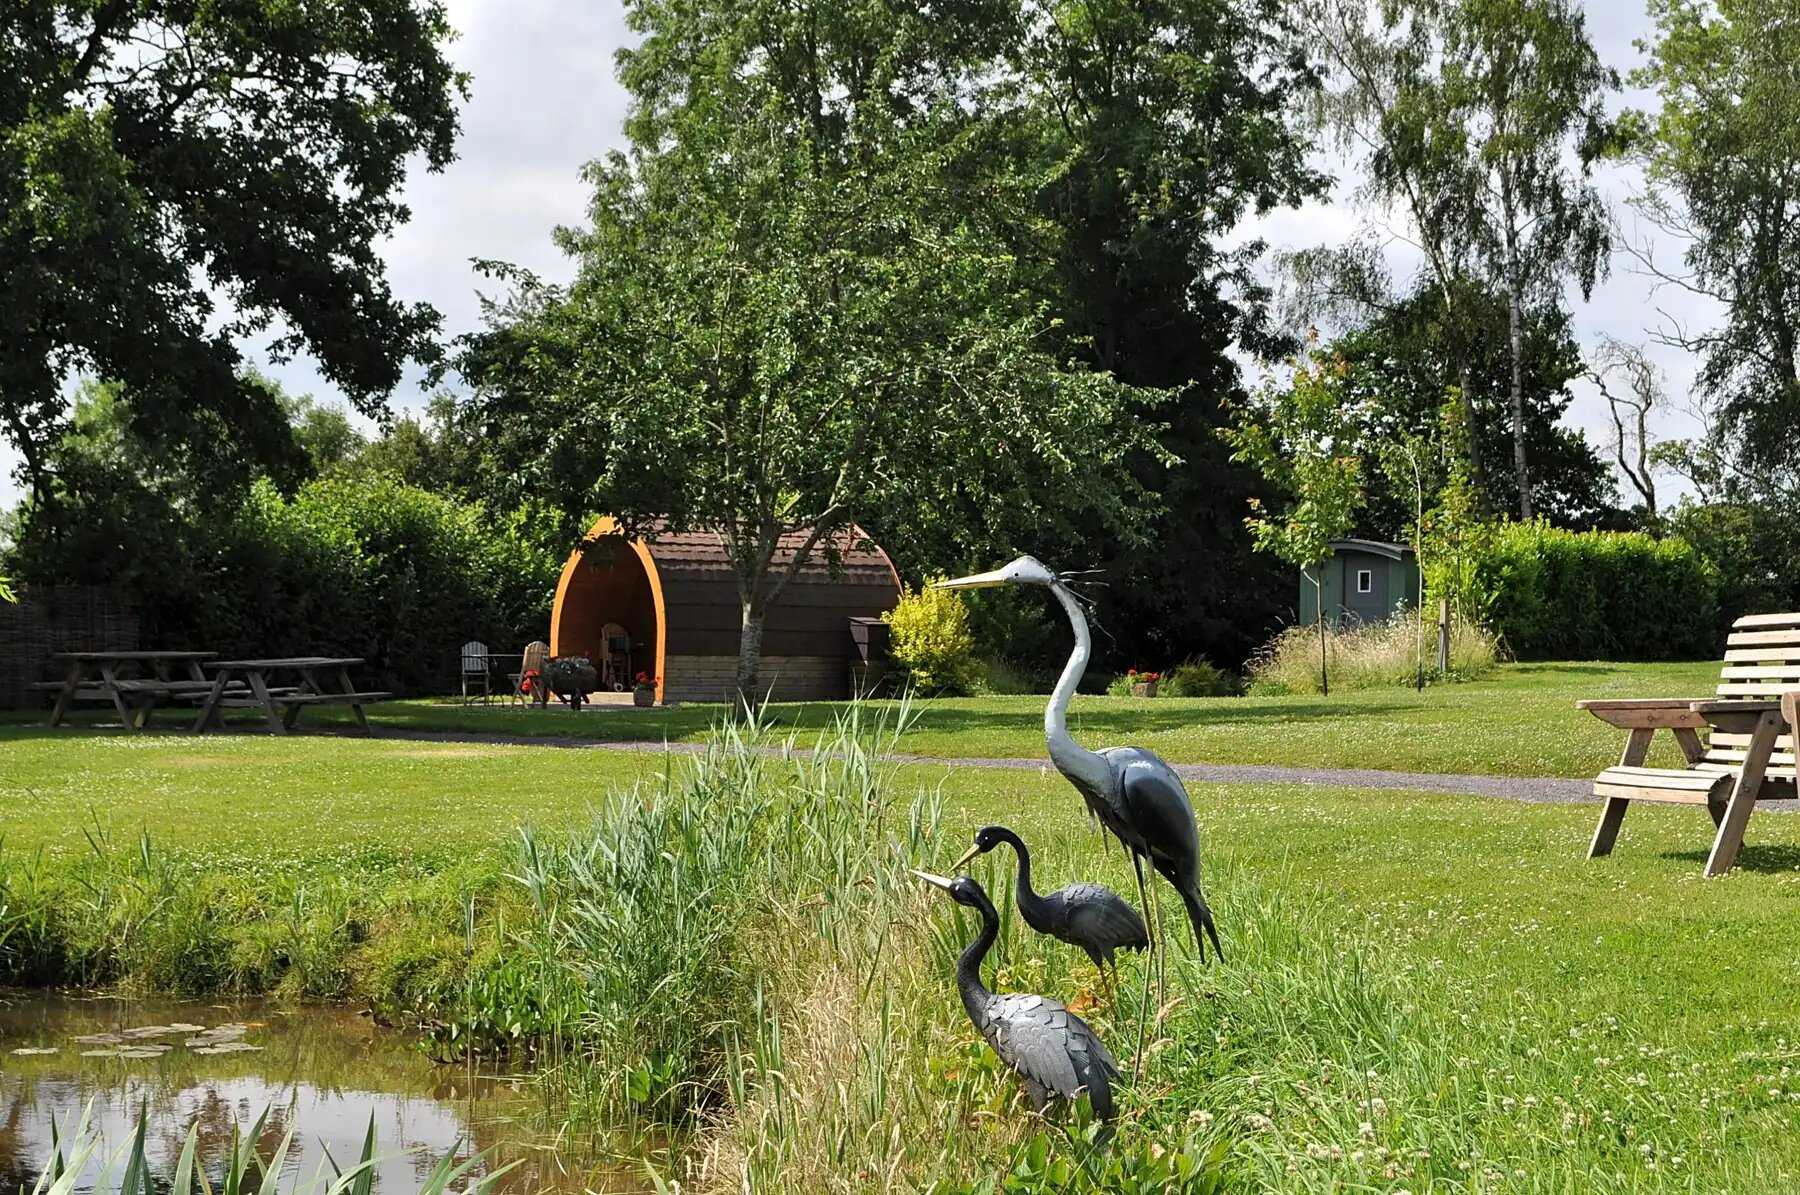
1647	713
1736	714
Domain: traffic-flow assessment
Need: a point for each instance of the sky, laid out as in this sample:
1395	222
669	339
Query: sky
544	101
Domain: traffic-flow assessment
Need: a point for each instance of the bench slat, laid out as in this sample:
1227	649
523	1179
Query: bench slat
1769	620
1670	778
330	698
1665	796
1753	638
1790	672
1752	654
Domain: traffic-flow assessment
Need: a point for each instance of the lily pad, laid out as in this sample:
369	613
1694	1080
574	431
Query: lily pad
140	1053
185	1027
99	1039
101	1053
36	1050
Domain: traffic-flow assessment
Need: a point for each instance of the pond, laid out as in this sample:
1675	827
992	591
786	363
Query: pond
320	1071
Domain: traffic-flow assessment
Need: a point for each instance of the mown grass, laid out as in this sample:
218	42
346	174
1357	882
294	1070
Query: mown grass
1519	721
1422	992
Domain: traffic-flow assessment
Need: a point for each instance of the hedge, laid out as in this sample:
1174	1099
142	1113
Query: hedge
372	568
1598	595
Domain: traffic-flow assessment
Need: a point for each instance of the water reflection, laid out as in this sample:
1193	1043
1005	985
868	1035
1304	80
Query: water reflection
320	1071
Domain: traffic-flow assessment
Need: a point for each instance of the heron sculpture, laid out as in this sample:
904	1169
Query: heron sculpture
1091	916
1131	791
1052	1050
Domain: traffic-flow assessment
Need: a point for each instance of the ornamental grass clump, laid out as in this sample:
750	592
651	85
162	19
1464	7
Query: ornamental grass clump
1372	655
665	925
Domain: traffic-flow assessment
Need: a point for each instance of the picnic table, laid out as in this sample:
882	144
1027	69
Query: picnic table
133	681
282	687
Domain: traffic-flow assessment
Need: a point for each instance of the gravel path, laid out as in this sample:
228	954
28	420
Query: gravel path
1536	790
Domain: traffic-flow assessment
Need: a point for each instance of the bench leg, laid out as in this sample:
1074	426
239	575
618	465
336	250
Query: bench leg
1691	746
260	688
1607	832
71	682
1743	795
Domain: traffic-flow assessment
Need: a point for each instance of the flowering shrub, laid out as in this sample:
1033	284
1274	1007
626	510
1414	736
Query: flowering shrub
1121	685
930	641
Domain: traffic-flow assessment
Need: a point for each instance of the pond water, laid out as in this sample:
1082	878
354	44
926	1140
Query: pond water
319	1071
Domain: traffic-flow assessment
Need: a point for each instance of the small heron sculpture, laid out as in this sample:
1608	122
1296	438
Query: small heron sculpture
1130	790
1052	1050
1090	916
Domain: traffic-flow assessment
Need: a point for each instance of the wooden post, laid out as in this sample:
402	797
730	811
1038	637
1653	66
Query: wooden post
1443	636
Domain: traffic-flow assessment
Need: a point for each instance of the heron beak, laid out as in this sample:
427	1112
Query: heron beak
986	580
967	855
934	881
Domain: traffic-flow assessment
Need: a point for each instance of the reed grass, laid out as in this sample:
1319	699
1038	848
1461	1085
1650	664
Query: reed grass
242	1170
1370	655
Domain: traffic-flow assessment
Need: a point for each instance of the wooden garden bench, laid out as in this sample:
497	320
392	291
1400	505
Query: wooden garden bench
1748	755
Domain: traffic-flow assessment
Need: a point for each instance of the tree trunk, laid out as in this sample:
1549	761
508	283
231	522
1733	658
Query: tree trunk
1520	464
749	663
1324	670
1515	336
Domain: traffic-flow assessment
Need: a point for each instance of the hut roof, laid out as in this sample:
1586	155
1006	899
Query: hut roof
701	555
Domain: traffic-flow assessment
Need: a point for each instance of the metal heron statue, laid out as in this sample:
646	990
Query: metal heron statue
1130	790
1050	1048
1090	916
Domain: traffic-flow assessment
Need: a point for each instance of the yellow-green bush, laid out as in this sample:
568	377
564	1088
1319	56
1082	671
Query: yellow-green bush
930	640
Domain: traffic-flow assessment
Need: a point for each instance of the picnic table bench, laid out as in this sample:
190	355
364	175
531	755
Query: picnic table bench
312	680
133	681
1748	755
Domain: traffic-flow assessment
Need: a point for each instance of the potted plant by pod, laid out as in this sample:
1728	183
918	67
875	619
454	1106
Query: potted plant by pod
1144	683
643	692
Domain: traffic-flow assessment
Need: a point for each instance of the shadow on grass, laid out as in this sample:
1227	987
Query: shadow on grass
1763	858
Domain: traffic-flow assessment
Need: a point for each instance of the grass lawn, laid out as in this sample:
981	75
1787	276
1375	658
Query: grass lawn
1423	992
1519	722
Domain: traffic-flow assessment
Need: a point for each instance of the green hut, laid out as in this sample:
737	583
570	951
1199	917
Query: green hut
1364	581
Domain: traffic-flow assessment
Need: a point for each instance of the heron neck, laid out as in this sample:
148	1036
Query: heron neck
1070	757
1028	899
975	997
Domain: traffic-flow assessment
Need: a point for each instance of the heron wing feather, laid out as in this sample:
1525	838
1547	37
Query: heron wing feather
1032	1035
1102	918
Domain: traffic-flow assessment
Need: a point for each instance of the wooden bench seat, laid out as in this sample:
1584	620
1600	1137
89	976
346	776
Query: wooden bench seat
331	698
1748	754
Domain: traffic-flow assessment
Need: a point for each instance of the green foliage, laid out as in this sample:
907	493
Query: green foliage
1564	595
1199	677
1716	154
787	296
1299	437
1753	547
156	157
930	639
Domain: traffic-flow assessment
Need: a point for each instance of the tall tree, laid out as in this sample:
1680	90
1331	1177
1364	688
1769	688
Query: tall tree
155	154
1469	112
787	321
1722	164
1155	128
1398	362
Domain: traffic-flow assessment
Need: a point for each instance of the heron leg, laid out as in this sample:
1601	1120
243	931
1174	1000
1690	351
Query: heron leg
1137	1057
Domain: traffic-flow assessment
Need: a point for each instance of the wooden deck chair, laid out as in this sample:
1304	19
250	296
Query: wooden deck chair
528	681
475	677
1747	757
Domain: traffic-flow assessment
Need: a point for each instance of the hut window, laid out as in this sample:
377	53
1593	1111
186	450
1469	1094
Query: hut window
1365	581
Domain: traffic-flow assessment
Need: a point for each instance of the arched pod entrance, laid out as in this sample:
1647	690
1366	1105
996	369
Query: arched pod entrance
680	591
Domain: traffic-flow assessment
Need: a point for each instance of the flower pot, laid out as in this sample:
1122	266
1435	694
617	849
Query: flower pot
1144	689
644	696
